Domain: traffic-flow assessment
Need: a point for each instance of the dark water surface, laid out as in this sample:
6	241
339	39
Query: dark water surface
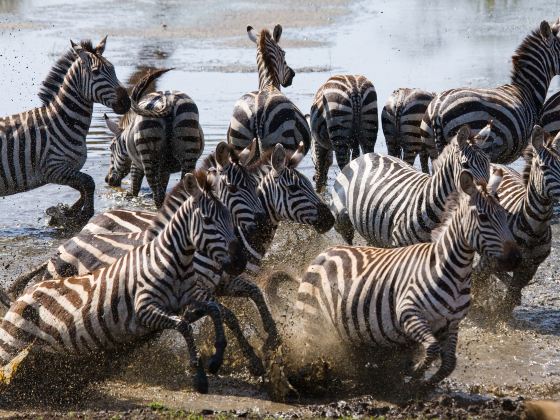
427	44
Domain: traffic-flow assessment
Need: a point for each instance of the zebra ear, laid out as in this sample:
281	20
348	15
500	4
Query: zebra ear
466	182
555	143
546	32
463	135
251	33
484	134
308	119
222	154
100	49
112	126
191	186
537	138
277	33
495	180
248	154
297	156
83	54
278	158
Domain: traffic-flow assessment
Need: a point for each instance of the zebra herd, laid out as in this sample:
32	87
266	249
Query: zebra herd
128	275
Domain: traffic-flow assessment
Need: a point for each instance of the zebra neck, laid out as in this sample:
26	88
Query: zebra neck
69	107
454	255
536	210
266	76
440	185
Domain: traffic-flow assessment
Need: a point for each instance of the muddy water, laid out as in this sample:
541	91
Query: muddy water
428	44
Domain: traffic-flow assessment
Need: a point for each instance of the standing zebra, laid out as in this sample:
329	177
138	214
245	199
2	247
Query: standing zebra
145	291
267	114
48	144
158	136
344	119
529	199
400	119
392	204
550	118
419	293
514	107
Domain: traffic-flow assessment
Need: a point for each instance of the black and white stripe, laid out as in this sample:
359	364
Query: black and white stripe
400	119
392	204
514	107
267	114
343	118
420	293
48	144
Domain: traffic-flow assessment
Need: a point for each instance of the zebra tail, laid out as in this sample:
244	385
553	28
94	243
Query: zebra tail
21	282
139	90
273	282
356	100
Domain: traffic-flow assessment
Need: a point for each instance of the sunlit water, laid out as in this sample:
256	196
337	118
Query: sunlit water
427	44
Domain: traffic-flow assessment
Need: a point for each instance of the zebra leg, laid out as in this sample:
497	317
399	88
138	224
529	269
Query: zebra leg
240	286
156	318
323	159
136	177
417	328
521	278
153	175
448	356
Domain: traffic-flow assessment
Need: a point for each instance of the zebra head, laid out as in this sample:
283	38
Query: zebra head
465	152
98	80
486	222
289	195
543	164
235	186
210	225
119	161
271	58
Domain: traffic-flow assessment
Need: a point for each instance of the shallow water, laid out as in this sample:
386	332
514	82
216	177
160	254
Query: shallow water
427	44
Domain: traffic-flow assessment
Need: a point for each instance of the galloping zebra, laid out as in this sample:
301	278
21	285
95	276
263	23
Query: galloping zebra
420	293
158	136
392	204
550	118
145	291
48	144
344	119
514	107
267	114
400	119
529	199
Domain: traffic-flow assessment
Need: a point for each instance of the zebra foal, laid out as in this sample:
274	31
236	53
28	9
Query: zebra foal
343	118
48	144
415	294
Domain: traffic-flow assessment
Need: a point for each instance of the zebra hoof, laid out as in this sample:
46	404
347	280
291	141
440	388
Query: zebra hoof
201	382
215	364
256	367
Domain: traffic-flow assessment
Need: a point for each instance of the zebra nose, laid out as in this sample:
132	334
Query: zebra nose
236	260
122	103
325	219
511	256
113	180
289	78
261	220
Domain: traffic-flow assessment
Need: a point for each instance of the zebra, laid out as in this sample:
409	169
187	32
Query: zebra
392	204
419	293
267	114
144	292
550	117
48	144
529	199
343	118
515	107
400	119
158	136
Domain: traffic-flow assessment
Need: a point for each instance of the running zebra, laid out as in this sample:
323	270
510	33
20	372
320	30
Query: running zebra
158	136
515	107
48	144
400	119
392	204
144	292
344	119
419	293
529	199
550	118
267	114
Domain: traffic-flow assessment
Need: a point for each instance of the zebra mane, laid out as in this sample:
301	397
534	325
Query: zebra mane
438	162
264	160
268	61
52	83
210	160
524	51
528	155
451	204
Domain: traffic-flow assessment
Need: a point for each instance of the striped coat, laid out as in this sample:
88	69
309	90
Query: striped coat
416	294
267	114
48	144
401	118
392	204
514	107
343	118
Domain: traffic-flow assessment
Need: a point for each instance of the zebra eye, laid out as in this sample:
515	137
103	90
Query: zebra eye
544	166
207	220
293	188
483	217
465	165
95	71
232	188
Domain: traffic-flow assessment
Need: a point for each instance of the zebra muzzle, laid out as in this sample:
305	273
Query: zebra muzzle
122	103
325	219
511	257
235	262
